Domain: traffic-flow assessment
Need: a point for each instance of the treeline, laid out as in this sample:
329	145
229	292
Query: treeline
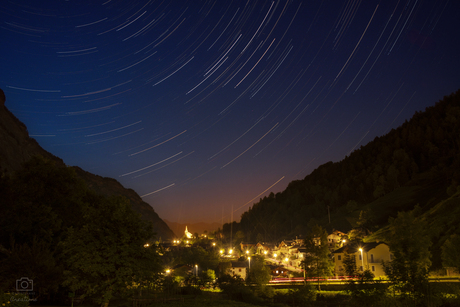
422	151
59	239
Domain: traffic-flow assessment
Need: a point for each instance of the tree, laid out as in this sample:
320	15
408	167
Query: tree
107	254
351	206
207	277
409	244
451	252
349	266
196	255
37	205
317	262
365	223
37	200
259	274
61	235
35	260
364	290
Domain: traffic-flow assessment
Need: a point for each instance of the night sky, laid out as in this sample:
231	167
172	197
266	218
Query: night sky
205	106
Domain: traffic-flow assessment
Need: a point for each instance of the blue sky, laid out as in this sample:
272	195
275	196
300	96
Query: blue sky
203	107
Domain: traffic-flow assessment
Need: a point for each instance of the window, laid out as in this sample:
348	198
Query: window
239	270
339	257
373	268
361	268
360	258
372	257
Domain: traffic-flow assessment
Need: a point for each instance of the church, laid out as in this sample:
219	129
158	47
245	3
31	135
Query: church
187	233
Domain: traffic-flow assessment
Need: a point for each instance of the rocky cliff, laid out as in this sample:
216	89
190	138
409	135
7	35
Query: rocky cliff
17	147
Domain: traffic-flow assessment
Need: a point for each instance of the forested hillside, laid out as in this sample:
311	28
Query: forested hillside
17	148
417	163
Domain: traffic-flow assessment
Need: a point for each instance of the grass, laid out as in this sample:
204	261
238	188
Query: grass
206	299
202	300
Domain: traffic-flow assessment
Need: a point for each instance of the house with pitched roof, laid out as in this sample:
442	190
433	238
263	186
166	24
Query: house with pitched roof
278	271
239	268
265	248
283	247
368	256
336	240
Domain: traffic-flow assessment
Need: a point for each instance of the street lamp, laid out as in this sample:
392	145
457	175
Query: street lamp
249	258
265	253
230	251
196	267
362	259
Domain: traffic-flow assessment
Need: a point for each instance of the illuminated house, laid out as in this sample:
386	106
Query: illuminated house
263	247
239	268
368	256
336	240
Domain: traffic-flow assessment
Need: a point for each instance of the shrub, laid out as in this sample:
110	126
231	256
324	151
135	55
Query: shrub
299	297
190	290
14	300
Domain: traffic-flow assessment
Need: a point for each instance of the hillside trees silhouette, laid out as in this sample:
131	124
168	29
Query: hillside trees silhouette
106	255
46	211
422	150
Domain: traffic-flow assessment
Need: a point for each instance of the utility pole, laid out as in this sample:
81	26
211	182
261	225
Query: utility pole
231	230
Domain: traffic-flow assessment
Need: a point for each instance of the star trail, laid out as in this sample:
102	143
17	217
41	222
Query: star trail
205	106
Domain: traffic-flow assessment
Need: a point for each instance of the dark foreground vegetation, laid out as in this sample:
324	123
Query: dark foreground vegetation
439	295
60	238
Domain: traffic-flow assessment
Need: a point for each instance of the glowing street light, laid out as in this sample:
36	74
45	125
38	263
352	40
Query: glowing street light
196	267
362	259
249	258
230	251
265	253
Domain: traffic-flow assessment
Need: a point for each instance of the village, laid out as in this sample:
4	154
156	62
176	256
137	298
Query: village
285	259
